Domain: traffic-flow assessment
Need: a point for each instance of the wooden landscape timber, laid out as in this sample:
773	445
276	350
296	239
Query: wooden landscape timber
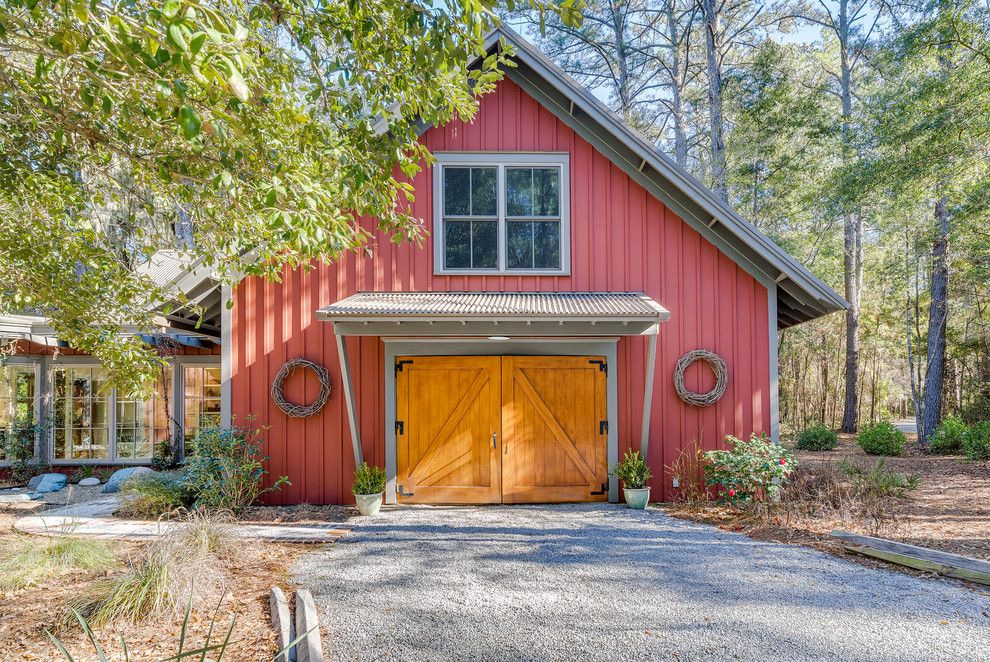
919	558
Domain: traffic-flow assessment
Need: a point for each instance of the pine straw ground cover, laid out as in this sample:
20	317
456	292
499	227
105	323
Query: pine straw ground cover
948	510
26	613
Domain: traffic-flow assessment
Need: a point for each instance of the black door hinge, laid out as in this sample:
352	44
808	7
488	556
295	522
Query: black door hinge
602	491
602	365
400	363
400	427
405	494
603	427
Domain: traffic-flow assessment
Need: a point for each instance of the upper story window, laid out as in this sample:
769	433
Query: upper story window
501	213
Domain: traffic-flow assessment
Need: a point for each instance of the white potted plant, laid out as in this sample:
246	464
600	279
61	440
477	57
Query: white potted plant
634	473
368	488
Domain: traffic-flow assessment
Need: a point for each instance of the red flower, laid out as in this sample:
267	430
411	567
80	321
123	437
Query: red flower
783	461
732	493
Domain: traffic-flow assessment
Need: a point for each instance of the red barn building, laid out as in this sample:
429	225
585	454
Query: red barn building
534	336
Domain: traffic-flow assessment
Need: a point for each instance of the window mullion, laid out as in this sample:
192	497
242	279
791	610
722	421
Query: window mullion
503	233
112	426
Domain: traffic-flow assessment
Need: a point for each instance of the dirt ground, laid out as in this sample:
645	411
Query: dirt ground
26	613
949	510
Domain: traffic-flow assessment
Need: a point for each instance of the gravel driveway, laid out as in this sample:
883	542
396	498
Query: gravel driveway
601	582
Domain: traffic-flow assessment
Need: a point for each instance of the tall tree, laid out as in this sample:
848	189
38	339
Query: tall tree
852	24
251	123
932	135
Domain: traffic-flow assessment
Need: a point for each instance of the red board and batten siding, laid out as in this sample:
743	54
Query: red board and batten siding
622	239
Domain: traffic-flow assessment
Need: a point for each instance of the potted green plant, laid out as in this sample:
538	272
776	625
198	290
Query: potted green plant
368	487
634	473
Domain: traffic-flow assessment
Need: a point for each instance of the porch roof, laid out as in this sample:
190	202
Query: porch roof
495	313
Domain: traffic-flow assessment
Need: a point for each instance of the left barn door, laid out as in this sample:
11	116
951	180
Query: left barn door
448	429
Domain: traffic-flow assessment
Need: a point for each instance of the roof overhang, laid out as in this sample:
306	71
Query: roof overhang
495	314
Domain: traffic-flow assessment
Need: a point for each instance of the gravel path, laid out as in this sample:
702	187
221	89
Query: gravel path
600	582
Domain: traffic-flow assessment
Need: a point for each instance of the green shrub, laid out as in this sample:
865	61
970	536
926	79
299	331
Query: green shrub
976	442
368	479
26	560
948	436
152	495
227	470
632	471
881	439
753	470
877	480
817	438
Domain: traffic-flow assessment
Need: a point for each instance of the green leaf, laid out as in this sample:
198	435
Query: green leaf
189	122
175	36
171	8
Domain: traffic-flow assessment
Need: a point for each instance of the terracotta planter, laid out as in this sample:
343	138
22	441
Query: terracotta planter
369	504
637	498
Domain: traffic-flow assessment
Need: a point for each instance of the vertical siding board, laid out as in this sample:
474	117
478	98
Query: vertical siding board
621	238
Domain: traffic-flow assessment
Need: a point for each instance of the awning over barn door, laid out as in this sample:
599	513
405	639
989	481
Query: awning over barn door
495	314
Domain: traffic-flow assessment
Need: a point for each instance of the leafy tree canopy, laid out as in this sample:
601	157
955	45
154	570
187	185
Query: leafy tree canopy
245	134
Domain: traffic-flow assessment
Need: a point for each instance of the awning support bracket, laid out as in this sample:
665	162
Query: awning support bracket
348	389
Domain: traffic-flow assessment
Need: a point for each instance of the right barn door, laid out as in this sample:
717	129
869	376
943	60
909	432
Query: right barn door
554	429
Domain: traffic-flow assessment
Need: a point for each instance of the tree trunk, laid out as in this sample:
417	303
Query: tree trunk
937	322
713	45
677	82
852	238
622	58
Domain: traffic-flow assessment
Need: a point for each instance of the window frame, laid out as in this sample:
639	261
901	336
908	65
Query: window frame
179	366
23	362
501	161
176	416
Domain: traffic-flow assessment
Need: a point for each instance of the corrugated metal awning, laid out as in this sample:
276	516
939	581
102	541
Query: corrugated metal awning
484	313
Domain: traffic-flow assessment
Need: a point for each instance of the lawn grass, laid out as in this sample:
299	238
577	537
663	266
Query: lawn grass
28	560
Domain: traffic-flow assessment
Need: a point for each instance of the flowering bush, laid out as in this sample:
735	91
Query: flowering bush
752	470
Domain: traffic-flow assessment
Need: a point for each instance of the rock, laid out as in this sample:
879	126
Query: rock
16	495
89	482
120	475
46	483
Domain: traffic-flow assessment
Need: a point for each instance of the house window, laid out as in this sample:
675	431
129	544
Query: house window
502	213
93	422
143	425
201	398
18	391
81	409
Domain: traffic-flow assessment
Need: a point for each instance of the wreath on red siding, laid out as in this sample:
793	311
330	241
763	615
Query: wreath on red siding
291	408
716	363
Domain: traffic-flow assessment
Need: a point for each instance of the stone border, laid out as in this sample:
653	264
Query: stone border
310	647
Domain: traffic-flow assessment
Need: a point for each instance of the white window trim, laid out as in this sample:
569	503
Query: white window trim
176	413
82	363
35	364
502	160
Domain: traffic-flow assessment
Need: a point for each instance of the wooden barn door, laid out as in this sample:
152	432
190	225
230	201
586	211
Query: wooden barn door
554	421
448	424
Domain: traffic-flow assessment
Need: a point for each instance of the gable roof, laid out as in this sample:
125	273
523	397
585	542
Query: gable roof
801	296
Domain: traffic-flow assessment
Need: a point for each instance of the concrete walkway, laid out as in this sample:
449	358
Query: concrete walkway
94	519
601	582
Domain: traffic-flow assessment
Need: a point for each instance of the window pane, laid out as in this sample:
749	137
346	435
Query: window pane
484	251
546	195
546	245
484	201
457	244
519	191
456	191
519	243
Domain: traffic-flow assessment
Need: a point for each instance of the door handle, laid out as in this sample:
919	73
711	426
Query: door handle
494	439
